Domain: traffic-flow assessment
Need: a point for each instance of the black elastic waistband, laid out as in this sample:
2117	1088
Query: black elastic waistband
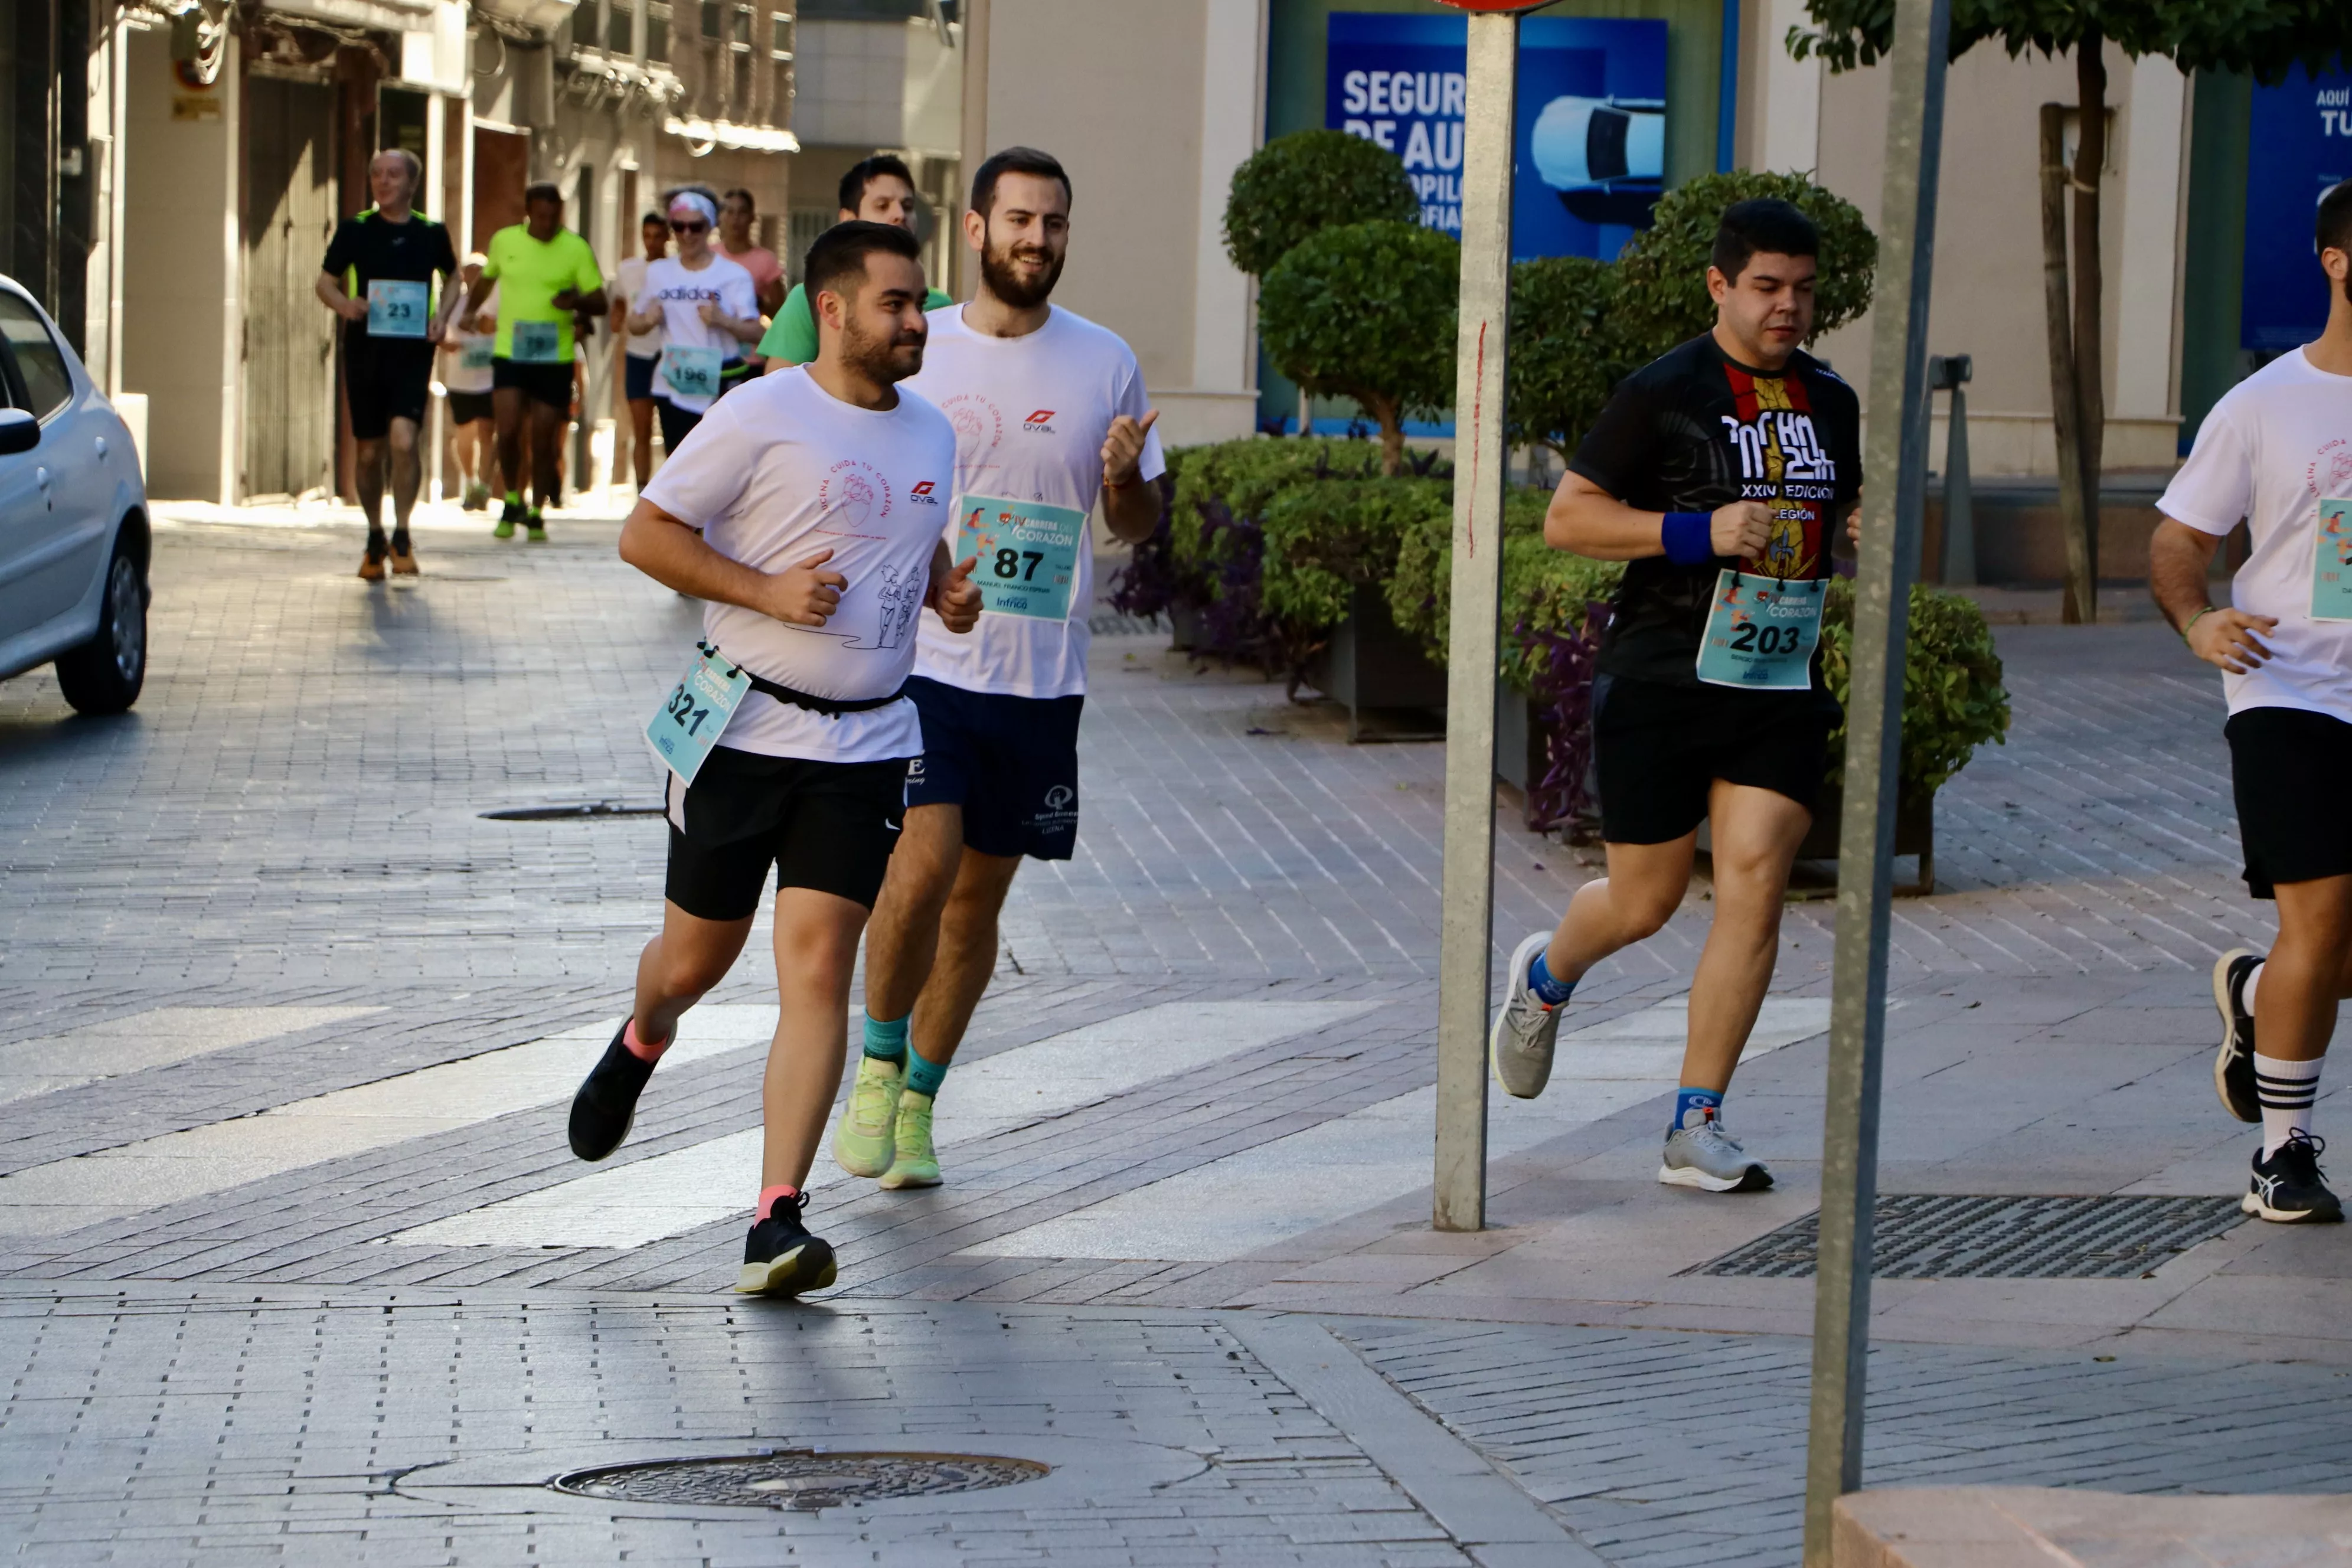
831	707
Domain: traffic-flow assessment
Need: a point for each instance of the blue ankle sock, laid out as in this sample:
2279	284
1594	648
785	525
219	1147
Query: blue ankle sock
1695	1106
1549	992
887	1042
924	1076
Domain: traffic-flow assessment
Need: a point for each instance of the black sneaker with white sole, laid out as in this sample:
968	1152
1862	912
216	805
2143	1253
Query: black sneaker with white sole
606	1106
2289	1187
780	1258
2233	1068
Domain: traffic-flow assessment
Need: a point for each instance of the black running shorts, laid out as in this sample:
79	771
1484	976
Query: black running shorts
1011	762
1658	748
548	383
466	407
2285	766
826	825
385	380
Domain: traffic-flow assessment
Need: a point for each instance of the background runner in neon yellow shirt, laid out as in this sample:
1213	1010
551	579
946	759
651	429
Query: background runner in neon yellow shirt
545	276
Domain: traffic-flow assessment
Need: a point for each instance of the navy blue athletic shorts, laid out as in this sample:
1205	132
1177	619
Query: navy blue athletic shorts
638	377
1011	762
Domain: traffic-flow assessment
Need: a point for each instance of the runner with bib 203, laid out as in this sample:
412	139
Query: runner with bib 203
1051	419
1718	473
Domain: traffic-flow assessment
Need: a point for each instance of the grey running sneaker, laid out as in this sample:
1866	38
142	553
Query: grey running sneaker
1520	1043
2233	1068
1710	1159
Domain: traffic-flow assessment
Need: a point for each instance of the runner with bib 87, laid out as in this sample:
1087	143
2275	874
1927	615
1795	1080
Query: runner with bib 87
1718	472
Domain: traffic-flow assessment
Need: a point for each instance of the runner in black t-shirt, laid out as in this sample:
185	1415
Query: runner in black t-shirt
378	276
1717	472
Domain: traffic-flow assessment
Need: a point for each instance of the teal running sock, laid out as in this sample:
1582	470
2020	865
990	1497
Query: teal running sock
1695	1107
887	1042
924	1076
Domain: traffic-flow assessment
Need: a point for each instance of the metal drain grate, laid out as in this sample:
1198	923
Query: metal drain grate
1931	1235
801	1479
585	811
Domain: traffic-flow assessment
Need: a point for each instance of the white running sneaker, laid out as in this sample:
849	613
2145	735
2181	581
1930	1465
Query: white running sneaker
1710	1159
1521	1043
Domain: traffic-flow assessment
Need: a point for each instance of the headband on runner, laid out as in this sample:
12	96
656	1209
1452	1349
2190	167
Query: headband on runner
696	202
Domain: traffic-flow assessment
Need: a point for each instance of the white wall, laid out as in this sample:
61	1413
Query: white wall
180	314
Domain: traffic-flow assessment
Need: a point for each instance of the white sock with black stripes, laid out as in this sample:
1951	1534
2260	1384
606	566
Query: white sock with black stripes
2287	1090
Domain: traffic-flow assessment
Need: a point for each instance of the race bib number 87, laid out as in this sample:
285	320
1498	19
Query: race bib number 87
2331	562
1027	553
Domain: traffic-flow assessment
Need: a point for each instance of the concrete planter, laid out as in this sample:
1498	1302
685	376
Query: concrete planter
1391	690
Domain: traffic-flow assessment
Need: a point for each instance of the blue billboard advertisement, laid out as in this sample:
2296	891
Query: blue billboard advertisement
1590	143
2299	144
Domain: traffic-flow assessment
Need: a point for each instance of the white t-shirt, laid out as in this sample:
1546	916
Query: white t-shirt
779	469
1030	415
456	376
2275	444
648	343
681	293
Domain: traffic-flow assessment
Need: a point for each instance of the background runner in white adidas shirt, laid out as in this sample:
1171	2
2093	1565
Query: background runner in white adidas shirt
2277	452
804	514
1051	418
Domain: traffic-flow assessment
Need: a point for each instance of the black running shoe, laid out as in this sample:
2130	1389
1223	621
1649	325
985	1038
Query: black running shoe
2233	1068
780	1258
606	1105
2289	1185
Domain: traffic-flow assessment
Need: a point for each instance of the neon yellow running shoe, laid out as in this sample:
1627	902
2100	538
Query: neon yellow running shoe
916	1165
862	1144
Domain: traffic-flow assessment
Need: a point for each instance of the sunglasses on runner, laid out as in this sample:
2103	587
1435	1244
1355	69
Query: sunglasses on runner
689	227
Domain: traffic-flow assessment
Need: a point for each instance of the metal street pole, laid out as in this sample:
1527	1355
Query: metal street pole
1467	919
1896	455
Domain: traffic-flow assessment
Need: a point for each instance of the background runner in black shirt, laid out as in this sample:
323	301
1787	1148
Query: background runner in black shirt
387	379
1735	453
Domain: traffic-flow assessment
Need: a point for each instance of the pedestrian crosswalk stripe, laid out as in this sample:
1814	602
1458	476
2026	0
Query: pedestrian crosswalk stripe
628	1206
66	1194
1263	1196
156	1037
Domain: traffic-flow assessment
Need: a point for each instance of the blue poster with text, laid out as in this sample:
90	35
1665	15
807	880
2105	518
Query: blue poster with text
1589	145
2299	144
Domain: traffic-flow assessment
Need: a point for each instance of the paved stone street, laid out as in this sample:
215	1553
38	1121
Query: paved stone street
292	1247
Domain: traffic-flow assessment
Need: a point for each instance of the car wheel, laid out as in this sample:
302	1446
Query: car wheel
104	674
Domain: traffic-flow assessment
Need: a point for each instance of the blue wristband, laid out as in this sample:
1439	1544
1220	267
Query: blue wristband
1689	538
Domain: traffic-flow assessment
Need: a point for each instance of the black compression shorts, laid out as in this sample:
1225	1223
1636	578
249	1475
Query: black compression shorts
548	383
386	381
1659	748
826	825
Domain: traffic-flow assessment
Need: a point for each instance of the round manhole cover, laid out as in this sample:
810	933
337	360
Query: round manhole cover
800	1478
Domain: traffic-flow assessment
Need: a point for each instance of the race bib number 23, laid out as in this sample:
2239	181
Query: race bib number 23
1028	554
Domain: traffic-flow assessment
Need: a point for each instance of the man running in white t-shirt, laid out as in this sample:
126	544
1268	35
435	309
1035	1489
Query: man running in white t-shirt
1050	417
805	514
2277	451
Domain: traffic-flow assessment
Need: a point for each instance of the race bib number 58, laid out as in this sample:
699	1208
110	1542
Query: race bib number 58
1027	553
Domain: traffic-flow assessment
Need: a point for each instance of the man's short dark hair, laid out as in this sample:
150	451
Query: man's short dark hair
837	259
1015	161
751	203
2334	228
865	172
544	190
653	218
1763	223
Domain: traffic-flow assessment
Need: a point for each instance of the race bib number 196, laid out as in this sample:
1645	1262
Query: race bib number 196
2331	565
1761	632
695	713
1028	554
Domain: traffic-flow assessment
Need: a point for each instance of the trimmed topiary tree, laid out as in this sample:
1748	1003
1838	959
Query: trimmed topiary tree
1309	181
1662	285
1367	311
1566	352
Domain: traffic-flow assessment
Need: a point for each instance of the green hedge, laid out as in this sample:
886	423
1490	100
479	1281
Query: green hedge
1545	590
1953	700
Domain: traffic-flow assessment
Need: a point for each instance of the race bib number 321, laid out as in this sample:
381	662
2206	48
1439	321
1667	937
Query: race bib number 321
1028	551
691	717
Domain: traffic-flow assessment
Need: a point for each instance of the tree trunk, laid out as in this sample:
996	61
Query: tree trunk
2090	335
2081	603
1391	416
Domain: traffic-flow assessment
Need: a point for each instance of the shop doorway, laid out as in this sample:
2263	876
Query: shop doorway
289	342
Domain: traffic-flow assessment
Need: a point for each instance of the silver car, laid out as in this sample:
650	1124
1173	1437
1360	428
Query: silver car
73	518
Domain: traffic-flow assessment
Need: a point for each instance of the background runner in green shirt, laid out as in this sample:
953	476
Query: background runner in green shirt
546	277
876	190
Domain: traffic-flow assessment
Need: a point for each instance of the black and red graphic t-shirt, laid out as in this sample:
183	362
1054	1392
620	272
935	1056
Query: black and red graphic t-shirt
1693	430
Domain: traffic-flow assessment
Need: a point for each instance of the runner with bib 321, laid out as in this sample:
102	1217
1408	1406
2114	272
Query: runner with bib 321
1718	473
